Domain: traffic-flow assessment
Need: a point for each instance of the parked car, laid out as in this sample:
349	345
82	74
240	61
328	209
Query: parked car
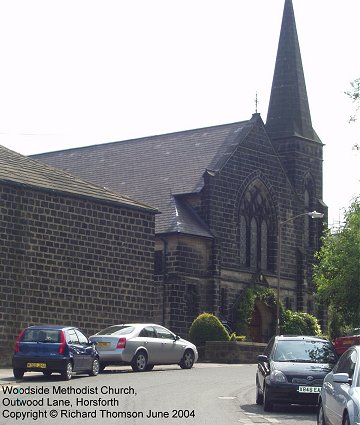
292	370
339	400
342	343
143	345
50	349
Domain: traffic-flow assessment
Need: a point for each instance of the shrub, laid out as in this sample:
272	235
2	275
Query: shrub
299	323
207	327
234	337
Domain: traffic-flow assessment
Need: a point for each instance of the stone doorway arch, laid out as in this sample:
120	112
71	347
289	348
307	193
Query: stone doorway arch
261	321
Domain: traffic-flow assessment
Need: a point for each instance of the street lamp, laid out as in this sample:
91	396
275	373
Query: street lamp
313	214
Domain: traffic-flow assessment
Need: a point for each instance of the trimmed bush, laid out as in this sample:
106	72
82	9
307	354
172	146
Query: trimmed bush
207	327
299	323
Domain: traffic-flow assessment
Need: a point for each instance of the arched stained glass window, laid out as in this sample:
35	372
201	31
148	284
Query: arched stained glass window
264	246
255	220
243	240
253	243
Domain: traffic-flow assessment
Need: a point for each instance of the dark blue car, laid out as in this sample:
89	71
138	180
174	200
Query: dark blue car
50	349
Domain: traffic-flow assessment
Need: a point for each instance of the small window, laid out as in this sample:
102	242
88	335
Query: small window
148	332
347	363
82	338
163	333
158	262
41	335
72	337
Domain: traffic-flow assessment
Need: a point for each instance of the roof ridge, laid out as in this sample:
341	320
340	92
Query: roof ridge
101	145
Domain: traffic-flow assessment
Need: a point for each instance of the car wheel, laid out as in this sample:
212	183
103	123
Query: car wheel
268	405
139	362
320	415
188	360
47	373
18	373
259	397
67	374
149	367
95	368
346	419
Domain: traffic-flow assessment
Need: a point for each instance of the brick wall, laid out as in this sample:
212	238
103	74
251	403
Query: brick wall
71	261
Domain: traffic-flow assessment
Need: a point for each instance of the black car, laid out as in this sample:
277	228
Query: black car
292	370
48	349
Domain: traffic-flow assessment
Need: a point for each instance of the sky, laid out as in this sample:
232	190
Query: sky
82	72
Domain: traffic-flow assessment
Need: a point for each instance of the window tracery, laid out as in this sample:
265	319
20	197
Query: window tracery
255	223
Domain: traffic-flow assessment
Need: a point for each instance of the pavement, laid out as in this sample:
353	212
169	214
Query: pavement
6	376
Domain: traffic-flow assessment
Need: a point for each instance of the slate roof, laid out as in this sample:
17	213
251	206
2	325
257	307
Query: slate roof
21	170
156	169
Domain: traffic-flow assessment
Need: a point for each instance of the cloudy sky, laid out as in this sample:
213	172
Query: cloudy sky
82	72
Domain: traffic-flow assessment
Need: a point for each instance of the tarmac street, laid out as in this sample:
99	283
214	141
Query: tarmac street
207	394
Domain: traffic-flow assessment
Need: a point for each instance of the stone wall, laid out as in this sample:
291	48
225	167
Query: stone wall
233	351
71	261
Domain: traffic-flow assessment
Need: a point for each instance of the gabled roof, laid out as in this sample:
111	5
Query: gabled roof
16	169
289	112
155	169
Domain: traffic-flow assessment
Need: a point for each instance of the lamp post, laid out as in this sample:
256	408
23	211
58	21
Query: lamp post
313	214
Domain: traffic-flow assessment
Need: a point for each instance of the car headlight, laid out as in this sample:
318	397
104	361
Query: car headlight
277	377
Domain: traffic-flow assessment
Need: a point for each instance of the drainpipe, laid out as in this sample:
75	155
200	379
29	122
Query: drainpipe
163	272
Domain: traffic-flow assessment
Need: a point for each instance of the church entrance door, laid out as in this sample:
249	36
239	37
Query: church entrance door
255	326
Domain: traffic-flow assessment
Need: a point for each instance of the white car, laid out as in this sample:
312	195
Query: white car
143	345
339	399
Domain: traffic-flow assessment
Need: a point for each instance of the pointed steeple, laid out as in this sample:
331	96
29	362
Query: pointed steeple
289	112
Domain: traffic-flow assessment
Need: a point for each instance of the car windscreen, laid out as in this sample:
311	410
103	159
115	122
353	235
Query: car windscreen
117	329
308	351
41	335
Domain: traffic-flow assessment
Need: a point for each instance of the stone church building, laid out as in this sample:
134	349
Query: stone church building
71	252
222	193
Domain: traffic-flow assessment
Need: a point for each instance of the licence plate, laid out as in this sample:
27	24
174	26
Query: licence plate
38	365
309	389
103	344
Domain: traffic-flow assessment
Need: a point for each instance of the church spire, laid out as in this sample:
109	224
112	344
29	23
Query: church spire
289	113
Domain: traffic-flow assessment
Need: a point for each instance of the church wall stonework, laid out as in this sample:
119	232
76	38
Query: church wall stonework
71	261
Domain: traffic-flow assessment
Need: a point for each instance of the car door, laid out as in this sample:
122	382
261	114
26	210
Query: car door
75	349
337	393
169	350
86	350
263	367
148	338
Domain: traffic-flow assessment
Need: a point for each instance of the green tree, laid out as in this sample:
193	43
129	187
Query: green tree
354	94
337	274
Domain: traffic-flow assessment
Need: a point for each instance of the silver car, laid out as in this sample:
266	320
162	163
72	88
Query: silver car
143	345
339	399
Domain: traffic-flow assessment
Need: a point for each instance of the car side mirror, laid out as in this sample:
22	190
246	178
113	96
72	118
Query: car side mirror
342	378
262	358
177	337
